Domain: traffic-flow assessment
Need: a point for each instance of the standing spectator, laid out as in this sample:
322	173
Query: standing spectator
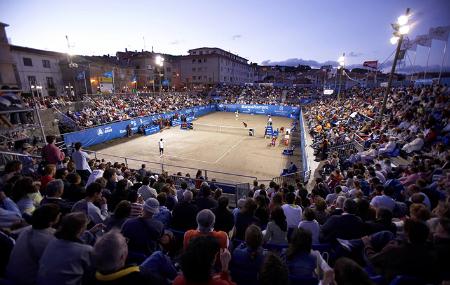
142	172
31	244
205	201
144	232
81	160
245	218
51	153
66	260
198	260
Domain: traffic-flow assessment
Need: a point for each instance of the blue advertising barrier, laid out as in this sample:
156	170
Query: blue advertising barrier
273	110
101	134
151	130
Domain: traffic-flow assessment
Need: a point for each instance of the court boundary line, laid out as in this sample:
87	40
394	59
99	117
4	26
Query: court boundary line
229	150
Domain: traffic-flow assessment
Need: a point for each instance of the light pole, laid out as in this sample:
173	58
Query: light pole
401	28
341	67
36	108
159	61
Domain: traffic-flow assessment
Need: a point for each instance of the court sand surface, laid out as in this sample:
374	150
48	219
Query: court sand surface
225	150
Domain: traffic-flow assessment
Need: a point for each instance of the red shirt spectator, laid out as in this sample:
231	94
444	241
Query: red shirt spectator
51	153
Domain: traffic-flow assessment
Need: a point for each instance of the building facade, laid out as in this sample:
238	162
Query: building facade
38	68
210	66
8	77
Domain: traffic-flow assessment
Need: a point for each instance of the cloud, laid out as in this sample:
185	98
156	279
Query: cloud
299	61
175	42
236	37
354	54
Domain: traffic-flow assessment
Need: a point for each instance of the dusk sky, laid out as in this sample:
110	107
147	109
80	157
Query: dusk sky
259	30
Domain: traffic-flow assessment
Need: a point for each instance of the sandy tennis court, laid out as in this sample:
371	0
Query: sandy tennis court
228	150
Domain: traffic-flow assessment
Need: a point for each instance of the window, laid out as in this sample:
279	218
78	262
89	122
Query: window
199	69
193	77
46	63
27	61
194	69
193	60
168	69
50	83
32	80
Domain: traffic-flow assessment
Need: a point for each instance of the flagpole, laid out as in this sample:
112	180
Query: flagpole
85	84
428	58
442	63
414	62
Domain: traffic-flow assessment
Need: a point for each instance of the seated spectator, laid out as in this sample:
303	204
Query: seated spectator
144	232
411	257
53	193
319	208
28	163
301	260
73	191
48	175
163	215
224	218
248	257
198	260
205	227
66	260
145	190
31	244
345	226
171	195
184	214
245	218
96	173
26	195
383	222
273	271
276	231
142	171
109	254
204	200
292	212
348	272
137	204
121	214
309	223
414	145
9	212
93	195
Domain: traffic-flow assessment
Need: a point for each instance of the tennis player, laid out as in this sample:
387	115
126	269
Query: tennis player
161	147
269	121
237	114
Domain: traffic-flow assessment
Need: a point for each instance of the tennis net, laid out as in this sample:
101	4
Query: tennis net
221	129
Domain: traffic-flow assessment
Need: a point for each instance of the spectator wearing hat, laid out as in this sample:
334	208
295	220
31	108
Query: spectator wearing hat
144	232
27	161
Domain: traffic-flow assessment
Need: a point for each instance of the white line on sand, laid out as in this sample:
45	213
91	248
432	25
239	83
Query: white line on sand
228	150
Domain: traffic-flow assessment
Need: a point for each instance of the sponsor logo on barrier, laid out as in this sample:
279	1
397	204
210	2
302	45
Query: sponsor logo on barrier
281	108
99	132
122	131
133	123
108	130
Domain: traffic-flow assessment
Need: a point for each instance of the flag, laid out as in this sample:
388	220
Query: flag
439	33
423	40
371	63
108	74
81	75
407	44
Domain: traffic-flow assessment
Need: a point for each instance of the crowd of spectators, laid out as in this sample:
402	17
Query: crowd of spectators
77	220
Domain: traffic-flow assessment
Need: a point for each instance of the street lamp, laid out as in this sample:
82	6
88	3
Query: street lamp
401	28
341	61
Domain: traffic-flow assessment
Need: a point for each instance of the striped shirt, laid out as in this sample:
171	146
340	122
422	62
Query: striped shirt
136	210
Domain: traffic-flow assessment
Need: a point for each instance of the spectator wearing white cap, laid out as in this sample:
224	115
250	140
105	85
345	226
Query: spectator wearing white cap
144	232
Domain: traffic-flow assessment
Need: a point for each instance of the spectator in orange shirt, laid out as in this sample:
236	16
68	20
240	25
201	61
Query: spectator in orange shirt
205	223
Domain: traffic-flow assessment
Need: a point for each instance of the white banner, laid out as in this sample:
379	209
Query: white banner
440	33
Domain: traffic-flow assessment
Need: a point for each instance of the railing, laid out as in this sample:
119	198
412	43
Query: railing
342	150
305	166
7	156
161	166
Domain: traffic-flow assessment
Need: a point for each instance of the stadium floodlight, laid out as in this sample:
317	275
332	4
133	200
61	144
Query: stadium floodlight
159	60
403	20
394	40
403	30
